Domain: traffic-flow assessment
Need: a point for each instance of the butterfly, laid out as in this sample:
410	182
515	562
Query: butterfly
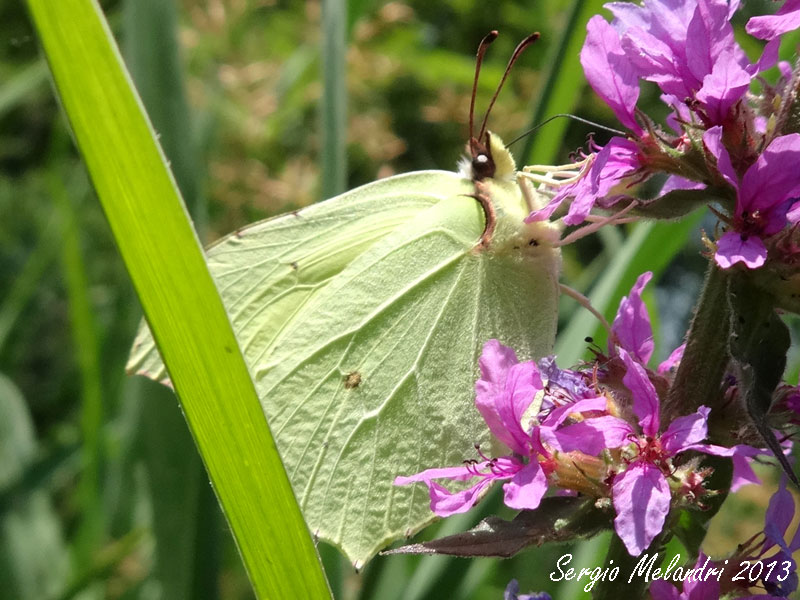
362	319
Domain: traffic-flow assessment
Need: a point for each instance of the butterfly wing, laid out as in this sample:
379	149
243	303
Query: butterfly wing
266	272
369	372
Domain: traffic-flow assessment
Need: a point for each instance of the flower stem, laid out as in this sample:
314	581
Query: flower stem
697	382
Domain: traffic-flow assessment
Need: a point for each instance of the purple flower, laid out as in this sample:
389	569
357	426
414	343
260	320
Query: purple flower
610	72
633	332
604	170
563	385
741	455
777	519
631	329
505	391
764	198
779	577
708	589
641	493
673	360
687	47
512	593
769	27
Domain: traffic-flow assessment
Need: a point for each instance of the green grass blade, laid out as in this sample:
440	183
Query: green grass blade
650	247
563	85
333	106
16	89
151	55
166	264
25	284
87	347
186	564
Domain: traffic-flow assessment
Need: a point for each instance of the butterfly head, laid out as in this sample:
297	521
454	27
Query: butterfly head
488	160
488	156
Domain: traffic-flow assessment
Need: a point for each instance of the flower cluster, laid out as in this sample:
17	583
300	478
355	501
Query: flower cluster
596	431
721	137
613	432
768	554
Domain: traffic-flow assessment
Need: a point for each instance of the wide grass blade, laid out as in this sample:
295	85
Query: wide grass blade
563	85
187	540
166	264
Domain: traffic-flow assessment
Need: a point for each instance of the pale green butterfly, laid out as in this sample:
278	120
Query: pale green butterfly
362	319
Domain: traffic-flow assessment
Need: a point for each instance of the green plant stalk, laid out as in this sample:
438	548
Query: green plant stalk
697	381
168	270
333	105
564	82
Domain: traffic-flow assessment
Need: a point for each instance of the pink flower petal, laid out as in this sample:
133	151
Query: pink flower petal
609	71
645	399
772	179
778	517
522	385
734	248
526	488
675	182
641	498
663	590
631	327
618	159
460	473
741	454
723	87
490	390
673	360
444	503
558	415
768	27
590	436
712	139
685	431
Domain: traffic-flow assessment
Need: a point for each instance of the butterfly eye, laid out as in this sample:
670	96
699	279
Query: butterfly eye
482	166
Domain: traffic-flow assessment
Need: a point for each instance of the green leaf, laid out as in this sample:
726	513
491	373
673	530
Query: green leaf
166	265
557	519
86	349
759	341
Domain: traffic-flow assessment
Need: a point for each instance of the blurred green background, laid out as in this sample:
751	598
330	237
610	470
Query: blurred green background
102	494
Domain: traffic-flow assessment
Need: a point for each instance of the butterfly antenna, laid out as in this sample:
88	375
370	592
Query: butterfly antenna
569	116
482	47
517	51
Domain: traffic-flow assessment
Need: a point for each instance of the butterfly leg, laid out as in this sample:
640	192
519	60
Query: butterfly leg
545	179
585	303
527	193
